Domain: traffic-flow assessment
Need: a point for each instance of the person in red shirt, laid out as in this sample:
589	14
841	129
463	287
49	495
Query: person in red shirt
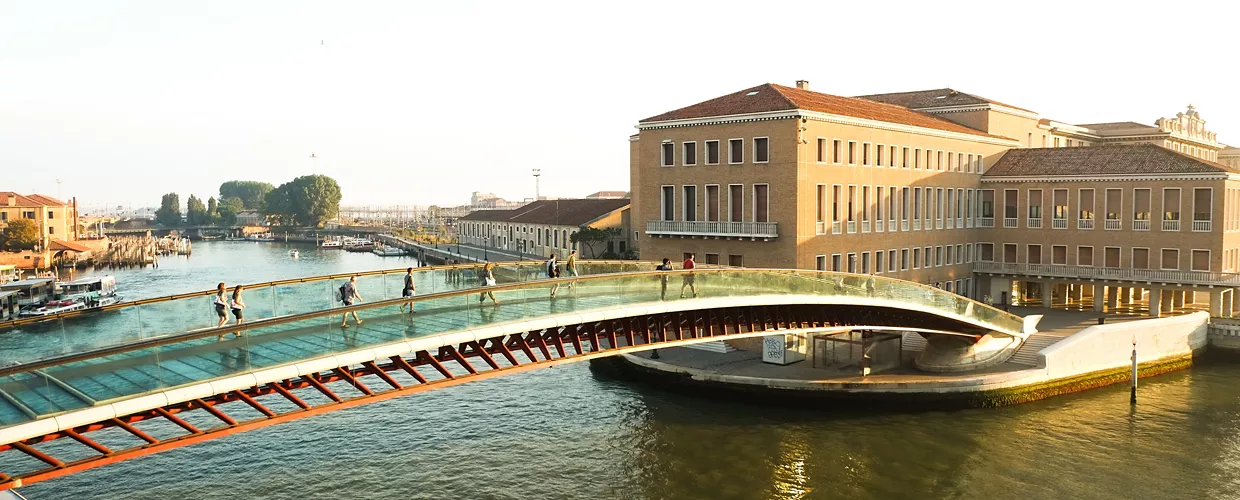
688	265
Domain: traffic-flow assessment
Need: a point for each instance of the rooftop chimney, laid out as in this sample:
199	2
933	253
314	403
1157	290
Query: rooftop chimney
803	84
12	200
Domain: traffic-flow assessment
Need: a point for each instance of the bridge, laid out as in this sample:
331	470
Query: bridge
152	375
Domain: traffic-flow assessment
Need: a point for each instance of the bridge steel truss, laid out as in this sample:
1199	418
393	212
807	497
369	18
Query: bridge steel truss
77	449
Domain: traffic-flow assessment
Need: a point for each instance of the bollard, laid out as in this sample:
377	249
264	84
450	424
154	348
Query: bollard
1102	320
654	354
1134	371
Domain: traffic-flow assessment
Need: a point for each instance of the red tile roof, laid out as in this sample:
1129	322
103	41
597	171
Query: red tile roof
936	98
34	200
770	97
1135	159
68	245
573	212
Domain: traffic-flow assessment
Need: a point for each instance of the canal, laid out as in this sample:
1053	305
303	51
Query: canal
567	432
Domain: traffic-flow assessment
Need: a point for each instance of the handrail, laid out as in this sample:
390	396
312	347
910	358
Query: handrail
250	325
291	281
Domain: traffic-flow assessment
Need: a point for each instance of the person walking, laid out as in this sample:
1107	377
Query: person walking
571	266
665	266
221	307
408	290
553	272
688	265
237	305
348	293
488	279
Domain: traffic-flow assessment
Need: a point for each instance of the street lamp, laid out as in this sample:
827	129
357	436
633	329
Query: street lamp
537	173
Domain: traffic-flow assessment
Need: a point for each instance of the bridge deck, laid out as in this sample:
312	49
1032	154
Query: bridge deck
154	364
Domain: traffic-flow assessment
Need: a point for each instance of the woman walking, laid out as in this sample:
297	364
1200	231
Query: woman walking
221	305
407	292
237	306
488	279
553	272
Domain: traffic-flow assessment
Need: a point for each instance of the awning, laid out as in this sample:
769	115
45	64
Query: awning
67	245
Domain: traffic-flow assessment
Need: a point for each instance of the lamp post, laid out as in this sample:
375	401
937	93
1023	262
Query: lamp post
537	174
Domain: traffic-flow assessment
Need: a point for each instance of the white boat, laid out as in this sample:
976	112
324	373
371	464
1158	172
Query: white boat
294	253
261	237
386	251
53	307
93	292
358	244
332	243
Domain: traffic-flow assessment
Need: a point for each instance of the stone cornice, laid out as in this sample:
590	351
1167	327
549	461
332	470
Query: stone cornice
1053	179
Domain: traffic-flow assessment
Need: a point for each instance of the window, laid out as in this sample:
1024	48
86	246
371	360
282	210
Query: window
712	202
878	155
938	161
1171	206
892	196
669	203
1110	257
690	153
917	204
669	153
1201	260
852	152
28	215
760	203
820	262
967	167
1170	259
865	206
4	216
761	151
837	264
904	159
891	158
1202	209
917	158
1059	255
891	261
820	207
852	207
988	203
986	252
865	262
1010	208
690	203
959	253
736	260
1084	256
904	259
938	256
1009	253
1033	254
852	263
711	258
51	230
1059	199
904	206
836	196
865	154
948	260
836	153
916	258
1035	205
929	256
879	259
968	252
736	202
52	215
822	150
712	155
736	151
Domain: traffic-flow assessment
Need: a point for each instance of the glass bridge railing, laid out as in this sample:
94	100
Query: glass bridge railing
310	327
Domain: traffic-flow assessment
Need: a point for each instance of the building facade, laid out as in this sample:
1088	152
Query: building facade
547	226
56	219
944	188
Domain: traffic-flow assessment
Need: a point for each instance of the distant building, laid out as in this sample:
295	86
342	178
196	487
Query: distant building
56	219
488	201
1230	156
608	195
546	226
250	218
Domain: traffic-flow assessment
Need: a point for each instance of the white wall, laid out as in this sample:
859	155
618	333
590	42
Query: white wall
1102	347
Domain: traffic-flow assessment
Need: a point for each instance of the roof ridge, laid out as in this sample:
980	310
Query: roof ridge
779	89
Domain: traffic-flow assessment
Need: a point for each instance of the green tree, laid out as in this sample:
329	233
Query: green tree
229	208
587	238
213	211
169	213
309	200
251	193
21	234
195	211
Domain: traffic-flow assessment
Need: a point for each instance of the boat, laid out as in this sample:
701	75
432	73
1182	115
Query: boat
386	251
94	292
53	307
8	272
294	253
264	237
332	243
358	244
32	292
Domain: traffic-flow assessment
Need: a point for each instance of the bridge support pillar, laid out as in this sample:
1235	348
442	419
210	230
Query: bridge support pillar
1099	293
1127	293
1048	293
1113	297
1216	302
1155	302
1177	298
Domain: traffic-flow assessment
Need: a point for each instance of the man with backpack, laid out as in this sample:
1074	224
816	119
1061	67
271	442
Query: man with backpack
665	266
408	290
348	293
553	272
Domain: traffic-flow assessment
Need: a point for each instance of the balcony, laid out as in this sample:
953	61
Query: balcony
960	222
835	227
1171	225
1110	273
985	222
1113	225
1141	225
917	224
878	226
1084	223
951	223
938	223
852	226
969	223
1059	223
865	226
1009	222
820	227
719	229
1201	226
1033	223
904	225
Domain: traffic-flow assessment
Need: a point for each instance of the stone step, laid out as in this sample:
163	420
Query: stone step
914	342
719	346
1028	352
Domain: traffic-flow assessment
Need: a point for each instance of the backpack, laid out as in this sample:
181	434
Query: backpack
340	293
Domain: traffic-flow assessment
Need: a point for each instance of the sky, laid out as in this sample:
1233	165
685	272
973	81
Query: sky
420	103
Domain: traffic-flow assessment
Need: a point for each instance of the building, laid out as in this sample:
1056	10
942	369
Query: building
251	218
56	219
909	184
1230	156
608	195
488	201
547	226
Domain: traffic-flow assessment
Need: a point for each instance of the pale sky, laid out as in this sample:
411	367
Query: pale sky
424	102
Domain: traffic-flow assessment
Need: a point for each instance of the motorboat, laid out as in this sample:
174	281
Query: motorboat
387	251
52	308
332	243
94	292
263	237
358	245
294	253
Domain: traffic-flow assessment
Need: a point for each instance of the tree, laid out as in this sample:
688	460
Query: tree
229	208
169	213
195	211
251	193
309	200
213	211
587	237
21	234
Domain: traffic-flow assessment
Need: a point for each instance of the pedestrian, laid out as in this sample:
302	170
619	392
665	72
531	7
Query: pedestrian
571	266
456	272
221	306
688	265
553	273
237	305
488	279
665	266
348	293
408	290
